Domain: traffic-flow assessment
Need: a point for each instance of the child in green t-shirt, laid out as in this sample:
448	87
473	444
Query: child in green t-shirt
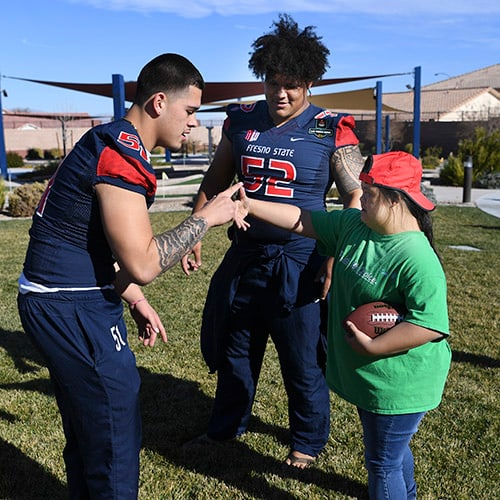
382	252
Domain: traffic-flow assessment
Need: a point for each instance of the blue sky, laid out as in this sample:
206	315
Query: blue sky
87	41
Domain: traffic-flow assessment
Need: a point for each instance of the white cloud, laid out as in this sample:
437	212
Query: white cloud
203	8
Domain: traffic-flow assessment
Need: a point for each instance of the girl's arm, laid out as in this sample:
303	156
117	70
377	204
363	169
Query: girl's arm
400	338
282	215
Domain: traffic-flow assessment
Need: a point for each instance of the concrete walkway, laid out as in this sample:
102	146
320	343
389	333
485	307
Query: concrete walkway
490	203
487	200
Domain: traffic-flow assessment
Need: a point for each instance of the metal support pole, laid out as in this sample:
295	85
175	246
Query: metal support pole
387	133
3	152
416	112
378	113
210	143
118	97
64	135
467	180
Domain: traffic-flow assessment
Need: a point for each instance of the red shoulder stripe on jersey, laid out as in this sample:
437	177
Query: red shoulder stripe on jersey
345	135
127	168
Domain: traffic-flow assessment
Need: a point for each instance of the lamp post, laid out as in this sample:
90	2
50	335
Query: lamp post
467	179
3	152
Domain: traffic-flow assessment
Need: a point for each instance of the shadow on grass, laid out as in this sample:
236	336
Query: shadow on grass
175	411
22	478
482	226
25	357
475	359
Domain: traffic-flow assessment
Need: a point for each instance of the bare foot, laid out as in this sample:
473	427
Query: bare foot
299	460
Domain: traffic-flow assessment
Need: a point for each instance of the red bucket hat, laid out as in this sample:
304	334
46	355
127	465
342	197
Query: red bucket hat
397	170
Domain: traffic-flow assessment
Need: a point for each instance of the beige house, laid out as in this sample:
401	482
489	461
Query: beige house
473	96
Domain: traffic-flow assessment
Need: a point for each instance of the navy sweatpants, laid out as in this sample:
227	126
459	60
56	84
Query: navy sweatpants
255	315
83	338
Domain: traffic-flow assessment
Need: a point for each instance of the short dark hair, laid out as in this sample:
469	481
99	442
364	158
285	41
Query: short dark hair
164	73
297	55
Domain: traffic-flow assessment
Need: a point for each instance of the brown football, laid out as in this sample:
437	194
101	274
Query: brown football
375	318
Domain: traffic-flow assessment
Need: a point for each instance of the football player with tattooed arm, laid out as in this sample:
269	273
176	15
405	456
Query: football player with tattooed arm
91	245
282	149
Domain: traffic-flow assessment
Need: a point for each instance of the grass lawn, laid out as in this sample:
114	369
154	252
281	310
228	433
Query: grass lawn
456	449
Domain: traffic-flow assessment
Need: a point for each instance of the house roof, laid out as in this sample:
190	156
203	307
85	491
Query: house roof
451	94
436	100
481	78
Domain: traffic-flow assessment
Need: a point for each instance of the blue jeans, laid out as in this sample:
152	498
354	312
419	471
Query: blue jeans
388	457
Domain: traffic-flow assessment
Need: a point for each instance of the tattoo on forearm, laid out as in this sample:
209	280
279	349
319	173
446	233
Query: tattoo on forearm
175	243
347	165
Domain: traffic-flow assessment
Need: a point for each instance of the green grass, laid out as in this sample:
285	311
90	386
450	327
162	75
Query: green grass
456	448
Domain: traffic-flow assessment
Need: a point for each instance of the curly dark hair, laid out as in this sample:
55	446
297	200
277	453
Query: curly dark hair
287	51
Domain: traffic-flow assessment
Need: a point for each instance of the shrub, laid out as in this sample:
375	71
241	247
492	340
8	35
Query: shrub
484	148
431	158
24	199
489	181
2	193
408	148
52	154
14	160
452	173
46	170
34	154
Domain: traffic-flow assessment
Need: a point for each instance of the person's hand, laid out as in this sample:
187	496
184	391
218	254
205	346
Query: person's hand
221	208
242	210
359	341
189	264
148	323
324	276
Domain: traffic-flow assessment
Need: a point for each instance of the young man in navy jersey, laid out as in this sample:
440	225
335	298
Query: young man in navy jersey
91	245
282	149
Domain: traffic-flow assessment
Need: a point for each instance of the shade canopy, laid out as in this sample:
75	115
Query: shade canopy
214	91
353	100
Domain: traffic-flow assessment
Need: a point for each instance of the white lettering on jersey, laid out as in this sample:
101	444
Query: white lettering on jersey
115	333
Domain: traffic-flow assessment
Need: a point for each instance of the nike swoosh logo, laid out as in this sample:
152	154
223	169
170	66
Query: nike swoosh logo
293	139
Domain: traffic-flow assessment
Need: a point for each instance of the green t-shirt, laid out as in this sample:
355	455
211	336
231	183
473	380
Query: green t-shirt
400	269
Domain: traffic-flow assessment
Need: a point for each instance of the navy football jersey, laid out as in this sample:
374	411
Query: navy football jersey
289	163
68	247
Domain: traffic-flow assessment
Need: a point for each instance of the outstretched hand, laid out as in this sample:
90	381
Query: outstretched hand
220	208
242	210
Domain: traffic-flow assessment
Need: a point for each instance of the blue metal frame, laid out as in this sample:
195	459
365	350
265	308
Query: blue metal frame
3	152
387	133
118	96
416	112
378	118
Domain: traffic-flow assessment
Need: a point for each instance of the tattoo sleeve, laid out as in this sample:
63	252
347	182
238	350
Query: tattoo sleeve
347	163
175	243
